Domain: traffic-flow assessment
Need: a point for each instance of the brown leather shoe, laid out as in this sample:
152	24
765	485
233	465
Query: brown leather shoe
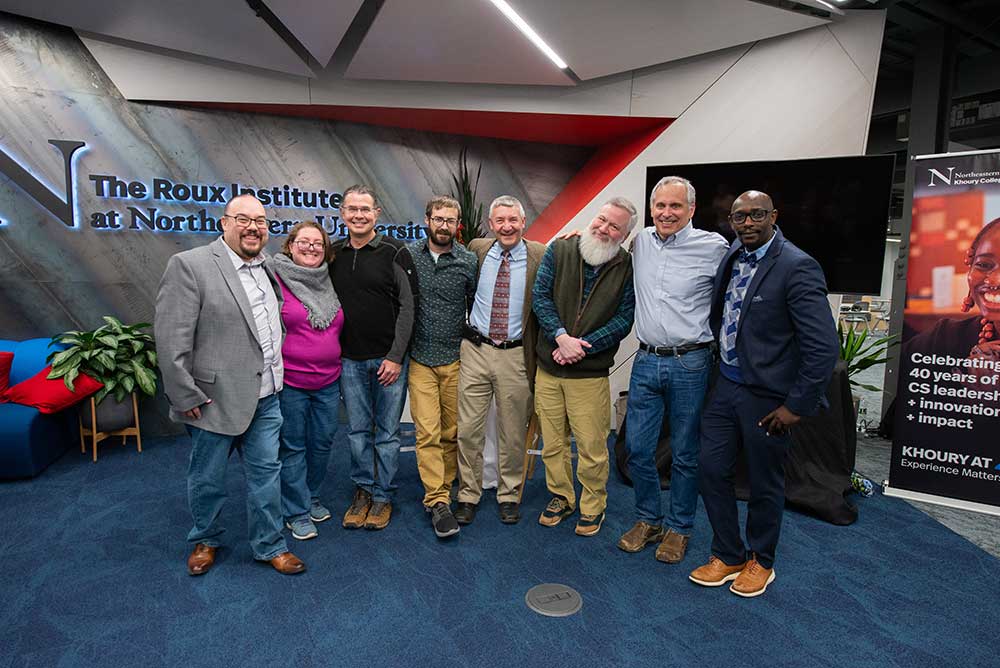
639	536
378	516
715	573
287	563
201	559
356	515
672	548
753	580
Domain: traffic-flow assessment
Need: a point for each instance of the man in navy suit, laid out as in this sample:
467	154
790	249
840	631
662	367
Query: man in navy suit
778	345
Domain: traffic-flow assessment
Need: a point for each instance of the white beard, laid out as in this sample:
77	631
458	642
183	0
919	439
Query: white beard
594	251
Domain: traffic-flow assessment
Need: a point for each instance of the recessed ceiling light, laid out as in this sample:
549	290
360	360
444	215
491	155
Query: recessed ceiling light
530	33
825	4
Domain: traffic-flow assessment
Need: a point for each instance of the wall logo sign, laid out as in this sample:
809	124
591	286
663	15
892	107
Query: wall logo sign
149	205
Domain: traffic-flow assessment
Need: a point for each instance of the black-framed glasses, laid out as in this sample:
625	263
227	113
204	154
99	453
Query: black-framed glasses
365	210
244	221
438	220
303	244
756	215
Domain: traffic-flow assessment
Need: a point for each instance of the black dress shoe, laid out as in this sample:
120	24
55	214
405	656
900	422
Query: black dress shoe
509	513
465	512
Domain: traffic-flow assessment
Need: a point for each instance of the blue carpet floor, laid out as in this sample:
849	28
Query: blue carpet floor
94	575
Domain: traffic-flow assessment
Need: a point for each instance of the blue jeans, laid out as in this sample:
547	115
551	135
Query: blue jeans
373	414
310	423
207	482
677	384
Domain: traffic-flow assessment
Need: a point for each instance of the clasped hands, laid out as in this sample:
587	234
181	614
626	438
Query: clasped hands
570	349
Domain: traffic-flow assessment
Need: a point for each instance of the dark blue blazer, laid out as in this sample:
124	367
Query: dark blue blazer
787	341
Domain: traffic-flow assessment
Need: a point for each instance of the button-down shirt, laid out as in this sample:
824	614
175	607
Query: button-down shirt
447	288
673	284
609	334
483	306
266	318
732	371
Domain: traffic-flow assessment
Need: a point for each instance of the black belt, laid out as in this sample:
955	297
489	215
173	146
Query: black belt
473	335
674	351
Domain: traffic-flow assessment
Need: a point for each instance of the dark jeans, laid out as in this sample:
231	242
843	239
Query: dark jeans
207	482
310	422
677	384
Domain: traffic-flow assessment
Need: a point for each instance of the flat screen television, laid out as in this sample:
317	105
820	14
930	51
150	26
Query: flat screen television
835	209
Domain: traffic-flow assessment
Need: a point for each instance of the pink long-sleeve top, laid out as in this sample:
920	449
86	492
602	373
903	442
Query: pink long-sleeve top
311	356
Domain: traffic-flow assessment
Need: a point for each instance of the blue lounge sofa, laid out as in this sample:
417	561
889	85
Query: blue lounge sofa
29	440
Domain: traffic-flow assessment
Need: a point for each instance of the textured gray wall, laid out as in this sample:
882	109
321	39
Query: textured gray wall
54	278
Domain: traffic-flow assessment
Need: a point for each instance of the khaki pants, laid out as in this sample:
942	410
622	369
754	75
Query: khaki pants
434	408
583	406
489	373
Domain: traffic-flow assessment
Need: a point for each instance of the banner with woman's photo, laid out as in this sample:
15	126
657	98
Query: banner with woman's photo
946	445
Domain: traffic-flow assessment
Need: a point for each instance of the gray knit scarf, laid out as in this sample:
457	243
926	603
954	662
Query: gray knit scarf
311	286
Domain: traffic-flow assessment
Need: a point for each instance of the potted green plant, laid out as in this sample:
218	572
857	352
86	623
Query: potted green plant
861	351
122	357
465	192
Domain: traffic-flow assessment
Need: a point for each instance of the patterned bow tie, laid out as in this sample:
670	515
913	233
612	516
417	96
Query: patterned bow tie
749	258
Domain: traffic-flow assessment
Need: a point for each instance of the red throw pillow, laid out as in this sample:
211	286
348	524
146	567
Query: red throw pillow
6	359
51	396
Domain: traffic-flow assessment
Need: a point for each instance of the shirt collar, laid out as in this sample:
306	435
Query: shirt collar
518	252
239	262
762	251
677	237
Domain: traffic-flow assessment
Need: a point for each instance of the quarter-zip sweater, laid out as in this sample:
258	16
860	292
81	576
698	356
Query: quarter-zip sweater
377	287
593	303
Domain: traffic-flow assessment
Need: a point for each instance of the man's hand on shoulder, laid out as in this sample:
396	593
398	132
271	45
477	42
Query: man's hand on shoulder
778	421
388	372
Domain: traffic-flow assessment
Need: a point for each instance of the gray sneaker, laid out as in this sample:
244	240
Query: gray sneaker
443	521
318	512
302	528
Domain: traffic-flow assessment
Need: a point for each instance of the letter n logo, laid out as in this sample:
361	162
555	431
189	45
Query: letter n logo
51	202
945	179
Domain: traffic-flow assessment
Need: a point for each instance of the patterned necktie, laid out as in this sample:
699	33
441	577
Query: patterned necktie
743	271
501	300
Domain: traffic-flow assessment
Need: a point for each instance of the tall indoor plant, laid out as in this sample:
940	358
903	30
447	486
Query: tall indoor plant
122	357
860	352
465	192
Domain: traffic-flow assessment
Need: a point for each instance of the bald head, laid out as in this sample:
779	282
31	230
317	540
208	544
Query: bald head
752	218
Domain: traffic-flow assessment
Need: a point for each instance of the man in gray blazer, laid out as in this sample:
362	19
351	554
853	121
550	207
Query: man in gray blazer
218	336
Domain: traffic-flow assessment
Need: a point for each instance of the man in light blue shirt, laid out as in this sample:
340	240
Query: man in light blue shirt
674	266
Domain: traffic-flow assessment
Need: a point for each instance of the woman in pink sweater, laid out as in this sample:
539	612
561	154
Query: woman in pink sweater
310	400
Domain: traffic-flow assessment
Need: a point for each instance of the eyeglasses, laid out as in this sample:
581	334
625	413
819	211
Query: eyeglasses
438	220
756	215
352	210
244	221
302	244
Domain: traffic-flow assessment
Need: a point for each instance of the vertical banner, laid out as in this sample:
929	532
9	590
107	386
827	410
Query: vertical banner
946	445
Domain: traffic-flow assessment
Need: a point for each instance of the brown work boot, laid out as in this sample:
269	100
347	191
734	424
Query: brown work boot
672	548
753	580
639	536
356	515
201	559
715	573
378	516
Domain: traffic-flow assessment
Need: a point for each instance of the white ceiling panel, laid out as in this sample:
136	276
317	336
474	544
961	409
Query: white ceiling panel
223	29
458	41
318	24
597	37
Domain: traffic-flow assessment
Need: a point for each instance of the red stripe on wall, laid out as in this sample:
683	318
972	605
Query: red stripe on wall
572	129
605	165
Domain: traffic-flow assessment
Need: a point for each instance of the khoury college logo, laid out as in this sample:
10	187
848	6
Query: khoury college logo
939	176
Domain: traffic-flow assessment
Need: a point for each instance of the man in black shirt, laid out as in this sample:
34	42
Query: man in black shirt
375	279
